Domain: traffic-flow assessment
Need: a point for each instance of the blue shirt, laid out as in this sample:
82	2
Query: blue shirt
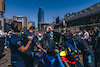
15	43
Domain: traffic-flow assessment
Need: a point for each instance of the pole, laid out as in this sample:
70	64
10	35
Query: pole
2	21
53	18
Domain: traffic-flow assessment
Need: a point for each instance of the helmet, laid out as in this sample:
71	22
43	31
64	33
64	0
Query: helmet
49	29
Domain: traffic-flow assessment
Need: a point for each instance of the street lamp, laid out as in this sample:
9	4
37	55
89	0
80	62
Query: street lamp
2	10
53	17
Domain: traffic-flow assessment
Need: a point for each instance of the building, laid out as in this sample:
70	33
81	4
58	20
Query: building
7	24
41	15
8	20
66	15
84	19
33	23
22	21
42	25
57	19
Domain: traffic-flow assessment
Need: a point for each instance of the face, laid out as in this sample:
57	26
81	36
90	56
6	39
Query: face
10	34
64	31
84	30
81	32
12	30
95	30
73	34
1	28
40	31
31	31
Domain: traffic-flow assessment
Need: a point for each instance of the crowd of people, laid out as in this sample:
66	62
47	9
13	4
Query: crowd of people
24	44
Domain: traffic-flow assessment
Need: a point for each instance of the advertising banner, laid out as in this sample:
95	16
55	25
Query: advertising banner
19	19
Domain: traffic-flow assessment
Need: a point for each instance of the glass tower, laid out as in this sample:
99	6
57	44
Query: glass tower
41	15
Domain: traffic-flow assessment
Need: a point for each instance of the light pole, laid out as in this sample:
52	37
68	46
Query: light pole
2	21
2	10
53	18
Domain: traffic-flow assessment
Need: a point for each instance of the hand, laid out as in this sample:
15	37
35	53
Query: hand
30	37
79	51
4	43
45	51
76	51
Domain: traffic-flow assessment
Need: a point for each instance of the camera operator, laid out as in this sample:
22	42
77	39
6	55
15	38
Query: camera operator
17	48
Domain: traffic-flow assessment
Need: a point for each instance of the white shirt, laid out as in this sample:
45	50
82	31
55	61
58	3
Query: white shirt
79	33
40	36
86	35
1	33
10	32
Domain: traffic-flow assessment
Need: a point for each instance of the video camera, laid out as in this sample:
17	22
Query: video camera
24	34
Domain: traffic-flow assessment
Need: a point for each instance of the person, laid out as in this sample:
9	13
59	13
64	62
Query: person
31	59
96	31
80	33
36	34
8	37
95	35
3	36
2	40
65	35
96	46
88	54
40	36
86	34
57	37
17	48
1	32
49	39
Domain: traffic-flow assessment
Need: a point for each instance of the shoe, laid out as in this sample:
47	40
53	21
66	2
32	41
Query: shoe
10	65
5	47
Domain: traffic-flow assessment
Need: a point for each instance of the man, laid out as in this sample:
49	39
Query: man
49	38
2	40
40	36
57	37
17	49
96	46
86	34
2	36
32	61
65	35
88	54
95	35
1	32
8	37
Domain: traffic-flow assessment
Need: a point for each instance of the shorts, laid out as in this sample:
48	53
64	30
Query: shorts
18	64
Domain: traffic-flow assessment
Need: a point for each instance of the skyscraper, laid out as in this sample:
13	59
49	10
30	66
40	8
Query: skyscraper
41	15
57	19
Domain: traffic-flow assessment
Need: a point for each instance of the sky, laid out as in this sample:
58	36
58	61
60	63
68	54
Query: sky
29	8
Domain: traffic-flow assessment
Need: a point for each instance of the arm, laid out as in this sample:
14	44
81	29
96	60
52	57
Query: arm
38	45
87	35
22	48
41	48
5	40
43	39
